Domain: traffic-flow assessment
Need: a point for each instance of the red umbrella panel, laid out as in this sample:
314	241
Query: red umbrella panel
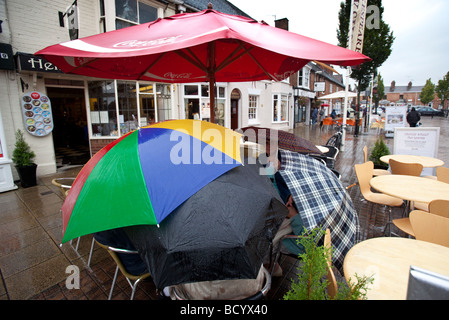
196	47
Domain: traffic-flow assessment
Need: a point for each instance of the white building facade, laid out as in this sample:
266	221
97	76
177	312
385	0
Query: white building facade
88	113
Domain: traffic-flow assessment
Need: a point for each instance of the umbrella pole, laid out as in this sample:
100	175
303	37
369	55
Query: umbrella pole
212	99
211	72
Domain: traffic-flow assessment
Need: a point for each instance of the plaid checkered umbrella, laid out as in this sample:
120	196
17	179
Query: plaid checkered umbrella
322	201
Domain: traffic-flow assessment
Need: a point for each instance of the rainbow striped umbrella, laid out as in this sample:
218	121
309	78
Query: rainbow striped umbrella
140	178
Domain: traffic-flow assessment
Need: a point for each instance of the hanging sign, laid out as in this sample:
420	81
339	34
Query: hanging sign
37	115
358	19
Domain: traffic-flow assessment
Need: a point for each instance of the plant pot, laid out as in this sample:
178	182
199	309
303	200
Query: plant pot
27	175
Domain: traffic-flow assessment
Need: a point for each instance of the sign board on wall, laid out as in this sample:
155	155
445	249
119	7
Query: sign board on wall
419	141
37	114
319	86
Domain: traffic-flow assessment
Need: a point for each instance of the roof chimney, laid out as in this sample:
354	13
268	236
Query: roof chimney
393	85
281	23
409	86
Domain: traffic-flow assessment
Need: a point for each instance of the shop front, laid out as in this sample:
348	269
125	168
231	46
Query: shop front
87	113
303	104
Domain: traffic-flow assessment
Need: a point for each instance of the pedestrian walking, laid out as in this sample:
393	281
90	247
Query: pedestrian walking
413	117
314	115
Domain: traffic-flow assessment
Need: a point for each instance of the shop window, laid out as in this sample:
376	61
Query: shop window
163	94
191	90
132	12
197	102
280	107
103	114
127	102
252	108
139	104
147	104
304	78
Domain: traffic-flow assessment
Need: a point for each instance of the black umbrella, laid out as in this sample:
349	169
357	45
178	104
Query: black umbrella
222	232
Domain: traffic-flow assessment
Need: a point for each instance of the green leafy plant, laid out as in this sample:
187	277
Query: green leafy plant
22	155
311	283
380	149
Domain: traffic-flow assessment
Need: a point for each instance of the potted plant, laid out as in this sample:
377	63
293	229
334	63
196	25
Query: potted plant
23	157
380	149
311	282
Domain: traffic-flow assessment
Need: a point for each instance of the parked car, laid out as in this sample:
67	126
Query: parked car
428	111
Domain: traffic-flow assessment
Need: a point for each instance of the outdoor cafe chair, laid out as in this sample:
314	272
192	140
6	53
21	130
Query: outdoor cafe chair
64	185
437	207
335	140
376	172
328	158
443	174
409	169
331	280
364	173
330	276
430	227
129	277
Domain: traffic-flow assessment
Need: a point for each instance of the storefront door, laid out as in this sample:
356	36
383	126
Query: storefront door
70	135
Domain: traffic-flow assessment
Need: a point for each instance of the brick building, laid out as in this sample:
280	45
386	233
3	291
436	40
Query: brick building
407	95
316	79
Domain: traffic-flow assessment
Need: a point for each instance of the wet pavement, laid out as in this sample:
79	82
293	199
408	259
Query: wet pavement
34	266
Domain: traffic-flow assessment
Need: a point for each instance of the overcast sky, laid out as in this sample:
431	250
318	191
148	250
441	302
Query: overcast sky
421	28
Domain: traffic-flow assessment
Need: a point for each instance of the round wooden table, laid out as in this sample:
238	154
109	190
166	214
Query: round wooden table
411	188
427	162
388	260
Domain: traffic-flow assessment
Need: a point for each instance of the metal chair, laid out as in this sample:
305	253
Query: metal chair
364	173
129	277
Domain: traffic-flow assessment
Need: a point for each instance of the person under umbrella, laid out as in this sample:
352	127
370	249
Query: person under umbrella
320	200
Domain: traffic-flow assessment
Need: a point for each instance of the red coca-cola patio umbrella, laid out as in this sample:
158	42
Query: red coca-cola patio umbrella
206	46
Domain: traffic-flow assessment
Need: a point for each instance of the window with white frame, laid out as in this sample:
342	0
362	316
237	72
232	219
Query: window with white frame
252	108
131	12
304	77
197	102
280	107
118	107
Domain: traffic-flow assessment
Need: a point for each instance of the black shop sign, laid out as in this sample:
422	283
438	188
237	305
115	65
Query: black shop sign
30	62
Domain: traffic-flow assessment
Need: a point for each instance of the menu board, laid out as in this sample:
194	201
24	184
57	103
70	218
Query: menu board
37	115
420	141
